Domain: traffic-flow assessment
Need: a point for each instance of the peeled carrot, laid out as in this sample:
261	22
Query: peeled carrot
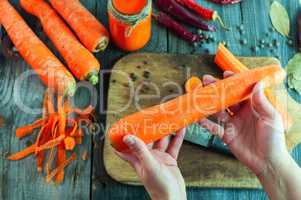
26	130
22	154
158	121
88	29
61	167
227	61
80	61
192	83
50	70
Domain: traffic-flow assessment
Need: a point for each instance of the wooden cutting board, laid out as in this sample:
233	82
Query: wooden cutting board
156	75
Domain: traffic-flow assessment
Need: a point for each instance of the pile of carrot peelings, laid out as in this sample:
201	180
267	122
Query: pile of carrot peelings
59	134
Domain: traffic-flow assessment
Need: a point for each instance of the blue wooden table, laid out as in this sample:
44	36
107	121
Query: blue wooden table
88	180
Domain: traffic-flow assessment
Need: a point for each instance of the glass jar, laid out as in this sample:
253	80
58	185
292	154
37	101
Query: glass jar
130	23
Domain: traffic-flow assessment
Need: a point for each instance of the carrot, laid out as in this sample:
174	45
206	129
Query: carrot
50	70
60	168
80	61
50	144
88	29
69	143
61	153
227	61
61	157
26	130
193	83
158	121
24	153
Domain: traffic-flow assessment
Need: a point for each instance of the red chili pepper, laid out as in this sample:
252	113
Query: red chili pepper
225	2
173	8
176	28
205	13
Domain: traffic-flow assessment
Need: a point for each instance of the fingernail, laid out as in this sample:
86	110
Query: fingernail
129	140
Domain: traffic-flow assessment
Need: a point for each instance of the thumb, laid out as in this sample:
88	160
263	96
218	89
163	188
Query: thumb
139	149
260	103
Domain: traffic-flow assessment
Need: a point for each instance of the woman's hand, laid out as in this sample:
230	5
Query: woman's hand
157	166
254	134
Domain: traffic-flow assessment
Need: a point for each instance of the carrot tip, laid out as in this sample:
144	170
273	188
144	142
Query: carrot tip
102	45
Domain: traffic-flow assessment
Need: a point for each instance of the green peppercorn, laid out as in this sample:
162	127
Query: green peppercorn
243	42
262	46
290	42
270	45
254	48
200	31
262	41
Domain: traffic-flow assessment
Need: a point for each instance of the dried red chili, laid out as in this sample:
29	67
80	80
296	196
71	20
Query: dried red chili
176	28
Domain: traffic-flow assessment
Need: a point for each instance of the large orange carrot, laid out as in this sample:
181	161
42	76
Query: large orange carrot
89	30
51	71
80	61
158	121
228	62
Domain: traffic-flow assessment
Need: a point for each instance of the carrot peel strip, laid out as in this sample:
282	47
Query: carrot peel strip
60	167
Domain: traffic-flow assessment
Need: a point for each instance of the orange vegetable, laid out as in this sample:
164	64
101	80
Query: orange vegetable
69	143
22	154
159	121
61	153
50	70
88	29
58	132
26	130
227	61
130	23
61	167
80	61
193	83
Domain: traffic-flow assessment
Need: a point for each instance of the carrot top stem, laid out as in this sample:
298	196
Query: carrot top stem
93	78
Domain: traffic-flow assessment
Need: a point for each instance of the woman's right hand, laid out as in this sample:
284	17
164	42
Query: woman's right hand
255	135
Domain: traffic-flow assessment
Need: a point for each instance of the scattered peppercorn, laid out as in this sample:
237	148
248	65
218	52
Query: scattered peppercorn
243	42
290	42
138	67
145	62
133	77
254	48
170	91
262	46
262	41
270	45
146	74
113	81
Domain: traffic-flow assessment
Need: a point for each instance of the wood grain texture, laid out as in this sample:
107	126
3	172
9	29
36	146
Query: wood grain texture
20	180
168	73
254	15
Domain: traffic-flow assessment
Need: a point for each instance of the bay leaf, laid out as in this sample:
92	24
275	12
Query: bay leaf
293	69
280	18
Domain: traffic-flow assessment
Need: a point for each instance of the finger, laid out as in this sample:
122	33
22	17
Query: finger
139	149
214	128
261	104
208	79
162	144
175	144
127	157
222	116
228	74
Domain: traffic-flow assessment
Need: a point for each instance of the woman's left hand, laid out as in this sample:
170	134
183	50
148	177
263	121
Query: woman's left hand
156	166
